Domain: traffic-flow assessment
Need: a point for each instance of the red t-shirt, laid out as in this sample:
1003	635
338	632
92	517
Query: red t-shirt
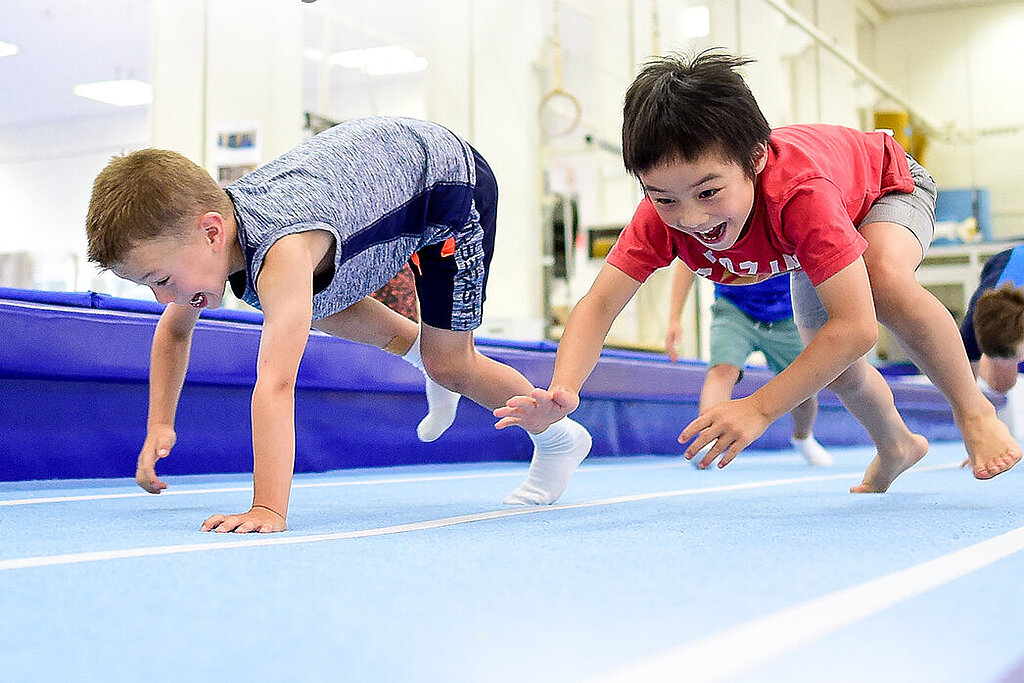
817	185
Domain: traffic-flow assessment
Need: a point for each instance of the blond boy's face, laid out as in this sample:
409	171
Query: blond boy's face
185	270
710	198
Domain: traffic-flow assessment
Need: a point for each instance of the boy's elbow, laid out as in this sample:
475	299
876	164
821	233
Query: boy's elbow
274	387
856	338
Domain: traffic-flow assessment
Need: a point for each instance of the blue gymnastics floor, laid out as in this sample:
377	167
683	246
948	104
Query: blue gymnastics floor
646	570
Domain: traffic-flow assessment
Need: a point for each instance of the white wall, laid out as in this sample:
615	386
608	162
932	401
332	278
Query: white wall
963	67
46	174
490	63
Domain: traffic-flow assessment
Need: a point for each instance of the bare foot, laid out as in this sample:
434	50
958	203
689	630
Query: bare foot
991	447
880	474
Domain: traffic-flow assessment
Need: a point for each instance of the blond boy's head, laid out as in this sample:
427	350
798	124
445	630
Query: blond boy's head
146	195
999	322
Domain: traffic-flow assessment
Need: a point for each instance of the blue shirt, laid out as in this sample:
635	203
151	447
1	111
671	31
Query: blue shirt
1006	266
767	301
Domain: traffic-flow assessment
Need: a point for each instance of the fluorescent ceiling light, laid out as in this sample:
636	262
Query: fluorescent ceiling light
696	21
8	49
126	92
380	61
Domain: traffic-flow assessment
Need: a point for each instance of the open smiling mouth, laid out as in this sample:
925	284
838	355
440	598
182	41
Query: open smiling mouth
713	235
198	301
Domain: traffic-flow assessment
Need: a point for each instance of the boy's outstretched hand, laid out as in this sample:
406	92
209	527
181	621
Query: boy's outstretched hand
159	442
538	411
729	427
258	518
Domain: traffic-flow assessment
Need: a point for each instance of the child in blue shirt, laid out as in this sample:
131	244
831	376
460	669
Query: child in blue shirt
756	317
993	328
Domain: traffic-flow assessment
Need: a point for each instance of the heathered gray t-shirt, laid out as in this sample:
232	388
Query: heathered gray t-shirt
384	187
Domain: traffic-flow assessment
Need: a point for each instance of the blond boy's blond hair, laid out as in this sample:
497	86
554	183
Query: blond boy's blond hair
144	195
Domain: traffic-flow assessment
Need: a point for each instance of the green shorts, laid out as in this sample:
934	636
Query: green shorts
735	335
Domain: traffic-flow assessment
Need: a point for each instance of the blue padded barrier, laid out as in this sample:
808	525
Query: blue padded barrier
73	391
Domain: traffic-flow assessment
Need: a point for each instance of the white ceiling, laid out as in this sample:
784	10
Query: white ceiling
65	42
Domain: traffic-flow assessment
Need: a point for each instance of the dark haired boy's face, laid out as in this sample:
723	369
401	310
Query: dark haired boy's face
709	198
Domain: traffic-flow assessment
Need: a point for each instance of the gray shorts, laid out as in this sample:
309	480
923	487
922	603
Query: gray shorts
914	211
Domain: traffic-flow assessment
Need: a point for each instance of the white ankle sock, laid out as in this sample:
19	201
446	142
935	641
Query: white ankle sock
441	403
557	452
814	453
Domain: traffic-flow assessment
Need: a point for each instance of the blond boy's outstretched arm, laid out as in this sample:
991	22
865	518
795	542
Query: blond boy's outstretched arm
578	352
168	364
285	287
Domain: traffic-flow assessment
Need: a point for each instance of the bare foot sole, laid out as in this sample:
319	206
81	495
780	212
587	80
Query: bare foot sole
881	474
991	447
1003	454
998	465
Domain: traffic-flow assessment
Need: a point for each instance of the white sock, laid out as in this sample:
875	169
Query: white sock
441	403
814	453
557	452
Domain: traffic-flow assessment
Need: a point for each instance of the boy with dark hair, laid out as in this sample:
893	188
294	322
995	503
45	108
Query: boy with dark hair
740	202
993	328
307	238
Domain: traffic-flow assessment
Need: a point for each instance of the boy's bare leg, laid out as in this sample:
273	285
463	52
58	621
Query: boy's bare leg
717	388
931	339
718	385
452	360
865	393
867	396
804	416
370	322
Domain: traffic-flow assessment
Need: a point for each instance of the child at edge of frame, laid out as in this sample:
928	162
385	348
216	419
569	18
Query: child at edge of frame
739	202
307	238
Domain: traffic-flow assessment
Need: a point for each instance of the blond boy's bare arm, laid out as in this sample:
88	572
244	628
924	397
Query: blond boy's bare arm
172	342
578	352
285	287
851	331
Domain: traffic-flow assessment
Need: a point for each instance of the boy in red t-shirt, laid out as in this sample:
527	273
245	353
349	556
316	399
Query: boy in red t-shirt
738	203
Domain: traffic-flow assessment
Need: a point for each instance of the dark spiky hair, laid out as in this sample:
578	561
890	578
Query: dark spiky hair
682	107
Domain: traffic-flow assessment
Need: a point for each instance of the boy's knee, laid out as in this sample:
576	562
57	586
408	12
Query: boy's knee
447	370
848	380
725	374
891	289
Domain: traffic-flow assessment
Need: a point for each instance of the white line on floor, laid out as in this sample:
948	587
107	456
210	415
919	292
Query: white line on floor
321	484
740	649
285	539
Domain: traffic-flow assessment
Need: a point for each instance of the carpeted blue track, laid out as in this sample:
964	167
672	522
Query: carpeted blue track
647	569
